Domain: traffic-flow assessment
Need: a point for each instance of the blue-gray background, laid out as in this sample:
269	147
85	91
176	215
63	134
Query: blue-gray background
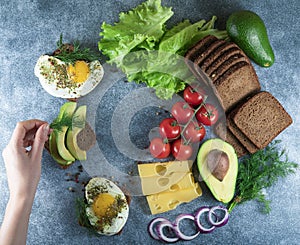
30	28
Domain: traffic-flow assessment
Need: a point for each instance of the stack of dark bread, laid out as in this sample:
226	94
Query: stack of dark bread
253	117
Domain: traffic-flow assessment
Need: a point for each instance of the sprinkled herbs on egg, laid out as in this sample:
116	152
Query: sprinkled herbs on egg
70	72
107	208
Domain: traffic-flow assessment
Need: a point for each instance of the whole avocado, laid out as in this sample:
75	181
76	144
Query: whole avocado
248	31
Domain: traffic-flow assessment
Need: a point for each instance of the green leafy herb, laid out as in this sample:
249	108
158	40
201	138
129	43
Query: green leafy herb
259	171
83	220
69	53
148	52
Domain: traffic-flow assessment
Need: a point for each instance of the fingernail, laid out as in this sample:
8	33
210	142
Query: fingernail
46	130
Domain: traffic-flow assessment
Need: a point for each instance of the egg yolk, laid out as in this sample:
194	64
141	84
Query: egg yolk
102	204
79	72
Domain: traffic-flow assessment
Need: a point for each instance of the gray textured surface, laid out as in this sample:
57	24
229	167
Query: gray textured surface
31	28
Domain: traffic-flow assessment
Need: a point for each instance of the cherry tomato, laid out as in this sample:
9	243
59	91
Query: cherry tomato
169	128
193	96
181	151
207	114
194	132
182	112
159	148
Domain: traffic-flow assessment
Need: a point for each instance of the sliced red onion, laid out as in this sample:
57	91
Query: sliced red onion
160	231
151	226
179	233
198	214
219	222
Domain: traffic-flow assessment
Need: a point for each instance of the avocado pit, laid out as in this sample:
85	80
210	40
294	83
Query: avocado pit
217	163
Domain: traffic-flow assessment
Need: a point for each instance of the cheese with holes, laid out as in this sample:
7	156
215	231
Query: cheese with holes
184	191
158	177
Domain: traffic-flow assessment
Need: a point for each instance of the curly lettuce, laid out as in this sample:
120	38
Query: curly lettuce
146	51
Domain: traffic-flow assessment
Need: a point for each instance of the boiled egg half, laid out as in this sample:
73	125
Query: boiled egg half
68	81
107	207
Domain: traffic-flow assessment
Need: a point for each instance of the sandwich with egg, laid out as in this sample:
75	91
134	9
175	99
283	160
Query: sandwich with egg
105	207
70	71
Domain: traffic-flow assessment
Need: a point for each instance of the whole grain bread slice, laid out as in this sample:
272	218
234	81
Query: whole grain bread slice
198	48
217	53
236	84
222	131
202	56
227	64
239	135
222	57
262	118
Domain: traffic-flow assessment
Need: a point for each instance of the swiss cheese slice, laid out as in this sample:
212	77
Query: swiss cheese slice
158	177
184	191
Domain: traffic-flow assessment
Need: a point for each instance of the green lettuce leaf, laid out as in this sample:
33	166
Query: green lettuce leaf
147	52
142	26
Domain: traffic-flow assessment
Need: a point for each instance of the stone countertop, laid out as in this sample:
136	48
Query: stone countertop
32	27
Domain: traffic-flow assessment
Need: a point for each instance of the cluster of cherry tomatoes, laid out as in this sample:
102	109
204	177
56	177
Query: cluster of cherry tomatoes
185	127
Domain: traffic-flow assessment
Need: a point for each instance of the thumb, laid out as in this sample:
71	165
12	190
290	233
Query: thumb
41	137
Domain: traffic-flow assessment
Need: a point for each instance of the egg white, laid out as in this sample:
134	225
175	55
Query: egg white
106	186
44	68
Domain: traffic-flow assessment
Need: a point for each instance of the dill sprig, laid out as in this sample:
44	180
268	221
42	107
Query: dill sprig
77	53
259	171
68	121
83	220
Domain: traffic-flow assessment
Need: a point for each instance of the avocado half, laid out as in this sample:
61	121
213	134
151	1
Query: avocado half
223	190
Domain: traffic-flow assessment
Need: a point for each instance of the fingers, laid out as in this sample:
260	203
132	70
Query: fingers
22	128
41	137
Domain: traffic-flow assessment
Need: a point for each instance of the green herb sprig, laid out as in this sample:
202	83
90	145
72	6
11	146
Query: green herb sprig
70	122
83	220
75	54
259	171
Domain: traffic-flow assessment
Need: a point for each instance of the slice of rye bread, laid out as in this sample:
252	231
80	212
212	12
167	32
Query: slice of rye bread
86	138
198	48
261	118
236	84
216	55
222	58
225	66
239	135
222	131
202	56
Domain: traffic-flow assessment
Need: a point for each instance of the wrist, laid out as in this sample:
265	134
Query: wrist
23	202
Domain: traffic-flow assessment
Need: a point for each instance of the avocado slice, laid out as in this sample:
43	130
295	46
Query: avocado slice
54	151
218	166
60	126
60	141
67	109
78	124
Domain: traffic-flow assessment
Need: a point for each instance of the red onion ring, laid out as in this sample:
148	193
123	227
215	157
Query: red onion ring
198	214
160	231
151	225
221	222
178	232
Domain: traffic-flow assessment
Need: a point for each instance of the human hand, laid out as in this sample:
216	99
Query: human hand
23	166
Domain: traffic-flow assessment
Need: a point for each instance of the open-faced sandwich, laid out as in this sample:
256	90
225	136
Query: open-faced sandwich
72	136
69	72
105	207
